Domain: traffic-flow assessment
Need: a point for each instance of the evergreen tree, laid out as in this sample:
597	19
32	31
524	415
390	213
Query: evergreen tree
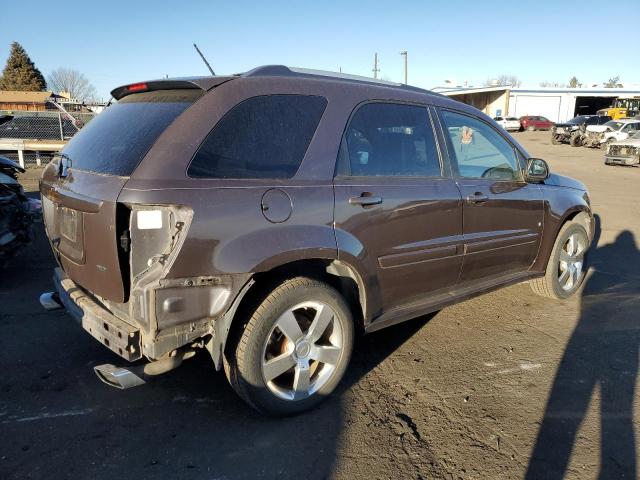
20	73
573	83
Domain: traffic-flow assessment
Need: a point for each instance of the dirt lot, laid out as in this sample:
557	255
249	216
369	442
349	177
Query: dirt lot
502	385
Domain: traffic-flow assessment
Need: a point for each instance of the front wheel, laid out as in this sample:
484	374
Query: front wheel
575	141
294	350
556	139
566	268
531	128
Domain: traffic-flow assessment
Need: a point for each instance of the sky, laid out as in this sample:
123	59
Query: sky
118	42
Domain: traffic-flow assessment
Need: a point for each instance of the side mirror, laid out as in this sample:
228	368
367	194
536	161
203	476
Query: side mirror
537	170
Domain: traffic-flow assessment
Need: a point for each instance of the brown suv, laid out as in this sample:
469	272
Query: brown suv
267	217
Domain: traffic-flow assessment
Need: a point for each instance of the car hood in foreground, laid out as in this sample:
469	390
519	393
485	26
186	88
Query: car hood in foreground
562	181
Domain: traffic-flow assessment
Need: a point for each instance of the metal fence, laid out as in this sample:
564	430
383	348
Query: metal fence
32	137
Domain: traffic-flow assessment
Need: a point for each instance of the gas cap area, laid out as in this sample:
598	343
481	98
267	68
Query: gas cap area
276	205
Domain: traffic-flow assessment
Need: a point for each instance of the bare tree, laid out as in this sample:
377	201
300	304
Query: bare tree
613	82
503	80
72	81
552	84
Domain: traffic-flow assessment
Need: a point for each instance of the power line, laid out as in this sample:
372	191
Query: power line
375	65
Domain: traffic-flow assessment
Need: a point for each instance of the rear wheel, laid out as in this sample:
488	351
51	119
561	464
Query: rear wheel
294	350
566	268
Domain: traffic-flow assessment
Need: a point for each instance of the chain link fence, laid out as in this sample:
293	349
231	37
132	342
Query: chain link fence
21	133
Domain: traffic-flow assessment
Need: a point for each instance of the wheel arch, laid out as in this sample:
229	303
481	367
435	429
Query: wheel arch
342	276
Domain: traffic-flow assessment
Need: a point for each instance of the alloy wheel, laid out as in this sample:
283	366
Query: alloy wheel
302	350
571	262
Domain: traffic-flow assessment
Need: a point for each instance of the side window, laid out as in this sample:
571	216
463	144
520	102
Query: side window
262	137
478	150
386	139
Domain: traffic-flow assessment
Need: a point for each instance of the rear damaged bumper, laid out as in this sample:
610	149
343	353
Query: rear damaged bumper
117	335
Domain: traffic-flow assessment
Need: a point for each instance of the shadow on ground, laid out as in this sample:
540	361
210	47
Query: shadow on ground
602	354
57	419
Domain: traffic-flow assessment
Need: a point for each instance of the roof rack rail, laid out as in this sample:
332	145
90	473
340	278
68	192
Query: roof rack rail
284	71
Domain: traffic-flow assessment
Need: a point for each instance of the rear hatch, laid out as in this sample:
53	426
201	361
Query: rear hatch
80	187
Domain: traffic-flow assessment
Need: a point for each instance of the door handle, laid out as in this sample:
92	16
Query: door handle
365	199
477	197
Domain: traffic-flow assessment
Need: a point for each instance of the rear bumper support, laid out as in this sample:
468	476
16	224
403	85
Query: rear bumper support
118	336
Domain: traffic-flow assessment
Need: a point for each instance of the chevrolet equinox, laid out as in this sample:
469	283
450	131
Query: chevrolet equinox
268	217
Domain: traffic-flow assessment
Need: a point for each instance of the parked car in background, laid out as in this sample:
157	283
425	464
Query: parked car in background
510	124
265	218
38	128
563	132
532	122
624	152
612	131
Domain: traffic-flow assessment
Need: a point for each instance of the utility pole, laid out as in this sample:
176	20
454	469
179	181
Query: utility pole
204	59
404	54
375	65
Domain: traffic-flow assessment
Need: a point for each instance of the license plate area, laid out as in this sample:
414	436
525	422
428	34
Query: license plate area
69	224
70	233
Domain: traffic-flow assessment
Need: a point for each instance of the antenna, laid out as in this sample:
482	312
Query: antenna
204	59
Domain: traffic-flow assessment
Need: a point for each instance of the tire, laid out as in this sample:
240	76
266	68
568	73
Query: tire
293	307
575	141
556	139
531	128
551	284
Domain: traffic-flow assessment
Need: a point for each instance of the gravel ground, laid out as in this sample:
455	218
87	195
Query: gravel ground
502	386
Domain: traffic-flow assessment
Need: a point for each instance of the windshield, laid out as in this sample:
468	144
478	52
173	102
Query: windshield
513	119
578	120
614	125
117	139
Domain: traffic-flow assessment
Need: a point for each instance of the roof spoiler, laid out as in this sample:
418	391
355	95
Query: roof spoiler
201	83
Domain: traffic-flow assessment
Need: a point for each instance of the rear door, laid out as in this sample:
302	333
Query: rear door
502	214
80	187
396	212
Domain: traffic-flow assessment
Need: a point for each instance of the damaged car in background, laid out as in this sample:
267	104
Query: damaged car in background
17	212
624	152
601	135
569	132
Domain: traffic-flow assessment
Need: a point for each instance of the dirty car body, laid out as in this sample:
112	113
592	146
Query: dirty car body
159	253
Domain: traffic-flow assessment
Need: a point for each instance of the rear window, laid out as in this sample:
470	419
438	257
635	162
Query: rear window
117	139
262	137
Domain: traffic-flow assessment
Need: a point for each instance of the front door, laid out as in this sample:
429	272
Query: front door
397	216
502	214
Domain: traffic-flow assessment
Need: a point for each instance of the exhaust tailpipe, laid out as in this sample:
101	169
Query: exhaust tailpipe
127	377
117	376
51	301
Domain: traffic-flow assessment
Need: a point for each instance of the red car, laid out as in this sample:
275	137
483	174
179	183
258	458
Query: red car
532	123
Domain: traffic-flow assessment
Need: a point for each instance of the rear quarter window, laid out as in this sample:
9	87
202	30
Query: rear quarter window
262	137
117	139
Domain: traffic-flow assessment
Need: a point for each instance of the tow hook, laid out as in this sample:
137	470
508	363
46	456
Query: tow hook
51	301
127	377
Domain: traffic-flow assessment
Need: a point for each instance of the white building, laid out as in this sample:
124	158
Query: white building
557	104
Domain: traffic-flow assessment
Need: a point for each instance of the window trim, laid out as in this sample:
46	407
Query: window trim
453	162
363	178
260	179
